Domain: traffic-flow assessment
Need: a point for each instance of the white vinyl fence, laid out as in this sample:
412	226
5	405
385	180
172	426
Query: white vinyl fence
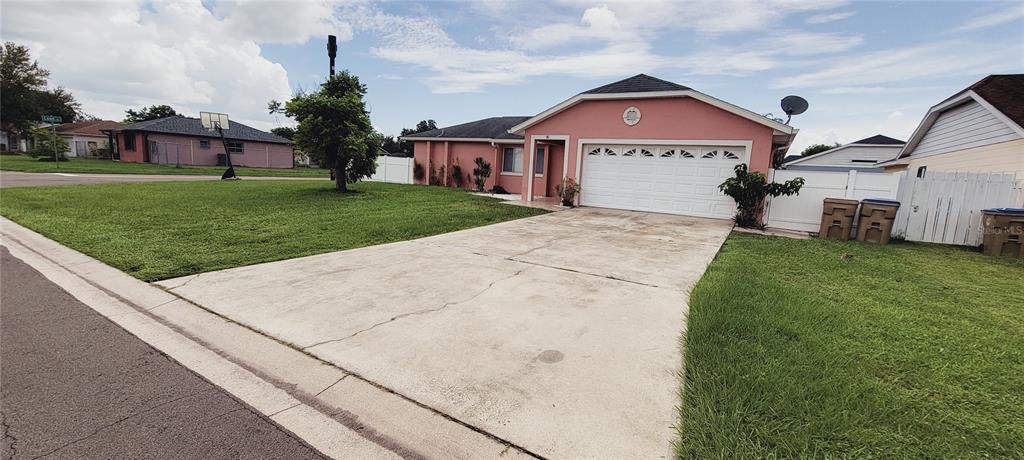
803	212
946	207
397	170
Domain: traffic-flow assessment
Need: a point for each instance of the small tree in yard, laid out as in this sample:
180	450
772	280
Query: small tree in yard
334	128
48	145
480	173
750	189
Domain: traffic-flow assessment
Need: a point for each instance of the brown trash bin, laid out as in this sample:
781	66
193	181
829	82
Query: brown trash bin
837	218
1004	232
876	219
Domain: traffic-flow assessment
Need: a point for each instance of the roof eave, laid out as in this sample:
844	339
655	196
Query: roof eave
462	139
781	128
955	100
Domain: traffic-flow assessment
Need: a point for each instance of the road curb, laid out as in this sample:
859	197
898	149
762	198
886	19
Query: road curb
340	414
55	262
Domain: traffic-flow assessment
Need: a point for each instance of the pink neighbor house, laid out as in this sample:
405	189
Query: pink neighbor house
641	144
184	141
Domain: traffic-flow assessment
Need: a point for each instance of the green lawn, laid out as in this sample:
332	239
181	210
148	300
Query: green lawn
25	163
842	350
162	230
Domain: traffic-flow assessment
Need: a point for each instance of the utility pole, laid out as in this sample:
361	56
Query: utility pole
332	50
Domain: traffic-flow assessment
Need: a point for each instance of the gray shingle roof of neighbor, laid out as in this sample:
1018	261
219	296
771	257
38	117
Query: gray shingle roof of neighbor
879	139
639	83
488	128
187	126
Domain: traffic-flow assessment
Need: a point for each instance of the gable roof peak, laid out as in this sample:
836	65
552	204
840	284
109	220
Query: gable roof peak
879	139
639	83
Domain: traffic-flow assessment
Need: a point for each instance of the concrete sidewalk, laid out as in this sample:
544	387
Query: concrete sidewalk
74	384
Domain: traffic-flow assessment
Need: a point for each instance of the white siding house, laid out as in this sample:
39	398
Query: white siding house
864	154
978	130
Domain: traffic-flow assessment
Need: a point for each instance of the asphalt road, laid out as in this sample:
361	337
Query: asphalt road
21	179
75	385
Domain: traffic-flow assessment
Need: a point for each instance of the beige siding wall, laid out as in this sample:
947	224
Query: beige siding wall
1002	157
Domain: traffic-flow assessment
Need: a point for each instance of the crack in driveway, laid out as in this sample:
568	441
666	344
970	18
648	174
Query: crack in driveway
417	312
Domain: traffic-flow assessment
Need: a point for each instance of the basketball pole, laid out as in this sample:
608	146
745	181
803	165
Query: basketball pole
230	173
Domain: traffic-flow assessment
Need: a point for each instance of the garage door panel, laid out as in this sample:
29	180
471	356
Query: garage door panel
674	184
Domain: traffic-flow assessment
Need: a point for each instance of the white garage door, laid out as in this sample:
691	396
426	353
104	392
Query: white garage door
660	178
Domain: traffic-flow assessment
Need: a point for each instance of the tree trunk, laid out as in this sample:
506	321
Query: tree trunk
339	180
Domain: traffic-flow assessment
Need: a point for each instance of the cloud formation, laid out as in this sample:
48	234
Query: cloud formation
177	53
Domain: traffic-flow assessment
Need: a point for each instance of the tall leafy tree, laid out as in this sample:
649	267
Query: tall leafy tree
390	144
24	97
285	132
334	128
817	148
152	112
61	103
424	125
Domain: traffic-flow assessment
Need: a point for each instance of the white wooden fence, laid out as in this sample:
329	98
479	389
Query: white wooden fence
393	169
803	212
946	207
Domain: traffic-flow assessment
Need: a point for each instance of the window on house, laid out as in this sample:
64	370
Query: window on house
80	149
129	141
512	160
921	171
236	147
204	144
538	163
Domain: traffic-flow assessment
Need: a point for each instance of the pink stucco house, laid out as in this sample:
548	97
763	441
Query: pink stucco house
641	143
183	140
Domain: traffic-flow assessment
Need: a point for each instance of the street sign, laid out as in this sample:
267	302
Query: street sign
52	118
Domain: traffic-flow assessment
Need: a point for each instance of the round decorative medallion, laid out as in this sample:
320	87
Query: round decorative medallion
631	116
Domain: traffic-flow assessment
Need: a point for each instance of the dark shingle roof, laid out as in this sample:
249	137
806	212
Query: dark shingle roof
1005	93
193	127
488	128
879	139
639	83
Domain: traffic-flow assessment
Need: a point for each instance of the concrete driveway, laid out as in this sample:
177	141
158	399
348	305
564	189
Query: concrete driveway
558	333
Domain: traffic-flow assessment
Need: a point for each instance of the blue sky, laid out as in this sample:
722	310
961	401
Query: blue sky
865	67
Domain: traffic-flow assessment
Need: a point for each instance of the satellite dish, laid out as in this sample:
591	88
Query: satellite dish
793	105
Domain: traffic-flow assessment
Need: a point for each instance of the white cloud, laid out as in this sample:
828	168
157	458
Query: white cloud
1013	13
277	21
904	64
142	53
616	41
807	43
829	17
895	114
599	23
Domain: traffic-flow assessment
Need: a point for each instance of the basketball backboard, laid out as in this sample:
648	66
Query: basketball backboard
211	120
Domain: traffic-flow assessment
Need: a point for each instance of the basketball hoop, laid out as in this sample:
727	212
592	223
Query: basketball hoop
213	120
218	122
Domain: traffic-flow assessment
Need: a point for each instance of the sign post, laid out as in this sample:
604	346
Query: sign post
53	120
